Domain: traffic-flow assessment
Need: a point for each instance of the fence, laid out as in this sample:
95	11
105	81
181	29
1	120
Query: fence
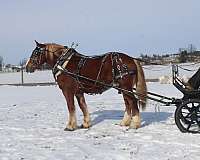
23	78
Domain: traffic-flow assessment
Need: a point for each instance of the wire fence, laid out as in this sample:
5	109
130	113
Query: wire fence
45	77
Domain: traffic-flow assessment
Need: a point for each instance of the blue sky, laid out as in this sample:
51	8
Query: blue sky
99	26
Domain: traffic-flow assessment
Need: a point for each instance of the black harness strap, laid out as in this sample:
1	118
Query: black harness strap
119	69
63	60
100	69
81	64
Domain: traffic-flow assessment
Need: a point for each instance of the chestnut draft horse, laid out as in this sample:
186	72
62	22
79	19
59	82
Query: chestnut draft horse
104	72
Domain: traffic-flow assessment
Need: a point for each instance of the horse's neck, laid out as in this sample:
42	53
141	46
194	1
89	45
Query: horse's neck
52	58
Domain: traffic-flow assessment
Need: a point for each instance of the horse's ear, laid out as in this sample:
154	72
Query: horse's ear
36	43
41	45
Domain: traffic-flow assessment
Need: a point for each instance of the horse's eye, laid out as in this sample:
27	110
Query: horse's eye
37	51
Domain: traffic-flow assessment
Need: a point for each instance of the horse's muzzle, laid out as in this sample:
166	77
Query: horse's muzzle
29	70
29	67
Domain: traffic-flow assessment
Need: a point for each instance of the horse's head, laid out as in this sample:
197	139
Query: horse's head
44	53
37	58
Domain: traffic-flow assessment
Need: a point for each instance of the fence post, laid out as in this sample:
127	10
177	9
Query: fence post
22	75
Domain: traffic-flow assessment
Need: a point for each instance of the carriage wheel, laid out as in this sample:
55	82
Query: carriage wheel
187	116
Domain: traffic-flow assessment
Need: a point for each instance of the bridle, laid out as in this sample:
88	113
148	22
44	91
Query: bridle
37	54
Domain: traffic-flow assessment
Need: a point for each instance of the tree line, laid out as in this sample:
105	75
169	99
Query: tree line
182	57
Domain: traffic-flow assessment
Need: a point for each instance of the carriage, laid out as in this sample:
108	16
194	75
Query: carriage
75	76
187	113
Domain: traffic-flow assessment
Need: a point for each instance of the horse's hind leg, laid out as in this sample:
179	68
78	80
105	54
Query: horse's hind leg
127	115
131	116
135	121
83	107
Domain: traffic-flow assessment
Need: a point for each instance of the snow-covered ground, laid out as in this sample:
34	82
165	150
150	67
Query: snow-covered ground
32	122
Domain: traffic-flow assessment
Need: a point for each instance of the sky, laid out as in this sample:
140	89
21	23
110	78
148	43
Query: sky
99	26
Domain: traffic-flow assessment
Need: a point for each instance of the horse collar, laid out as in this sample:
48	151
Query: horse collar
62	62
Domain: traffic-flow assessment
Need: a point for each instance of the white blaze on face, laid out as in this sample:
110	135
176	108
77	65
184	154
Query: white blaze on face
27	62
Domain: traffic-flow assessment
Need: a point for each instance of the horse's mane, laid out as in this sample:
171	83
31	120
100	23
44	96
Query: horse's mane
66	47
54	44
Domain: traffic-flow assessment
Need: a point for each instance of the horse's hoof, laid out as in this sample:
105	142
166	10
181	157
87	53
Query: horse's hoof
69	129
83	127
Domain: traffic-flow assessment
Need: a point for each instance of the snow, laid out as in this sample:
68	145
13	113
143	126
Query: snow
32	122
36	77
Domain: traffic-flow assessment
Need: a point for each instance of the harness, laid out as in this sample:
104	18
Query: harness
119	69
96	80
62	61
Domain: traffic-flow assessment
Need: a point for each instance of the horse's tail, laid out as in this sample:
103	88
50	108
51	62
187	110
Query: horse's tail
141	88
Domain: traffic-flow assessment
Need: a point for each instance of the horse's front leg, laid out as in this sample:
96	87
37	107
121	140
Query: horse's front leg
83	107
72	124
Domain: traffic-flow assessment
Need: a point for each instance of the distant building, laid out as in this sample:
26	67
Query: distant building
190	49
11	68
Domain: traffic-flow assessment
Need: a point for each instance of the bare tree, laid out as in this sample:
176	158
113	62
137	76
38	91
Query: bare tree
1	63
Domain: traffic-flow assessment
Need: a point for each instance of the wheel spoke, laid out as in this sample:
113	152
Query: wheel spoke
188	127
193	105
198	123
185	117
181	116
188	115
185	112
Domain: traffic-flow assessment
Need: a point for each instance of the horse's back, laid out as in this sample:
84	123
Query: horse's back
107	68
